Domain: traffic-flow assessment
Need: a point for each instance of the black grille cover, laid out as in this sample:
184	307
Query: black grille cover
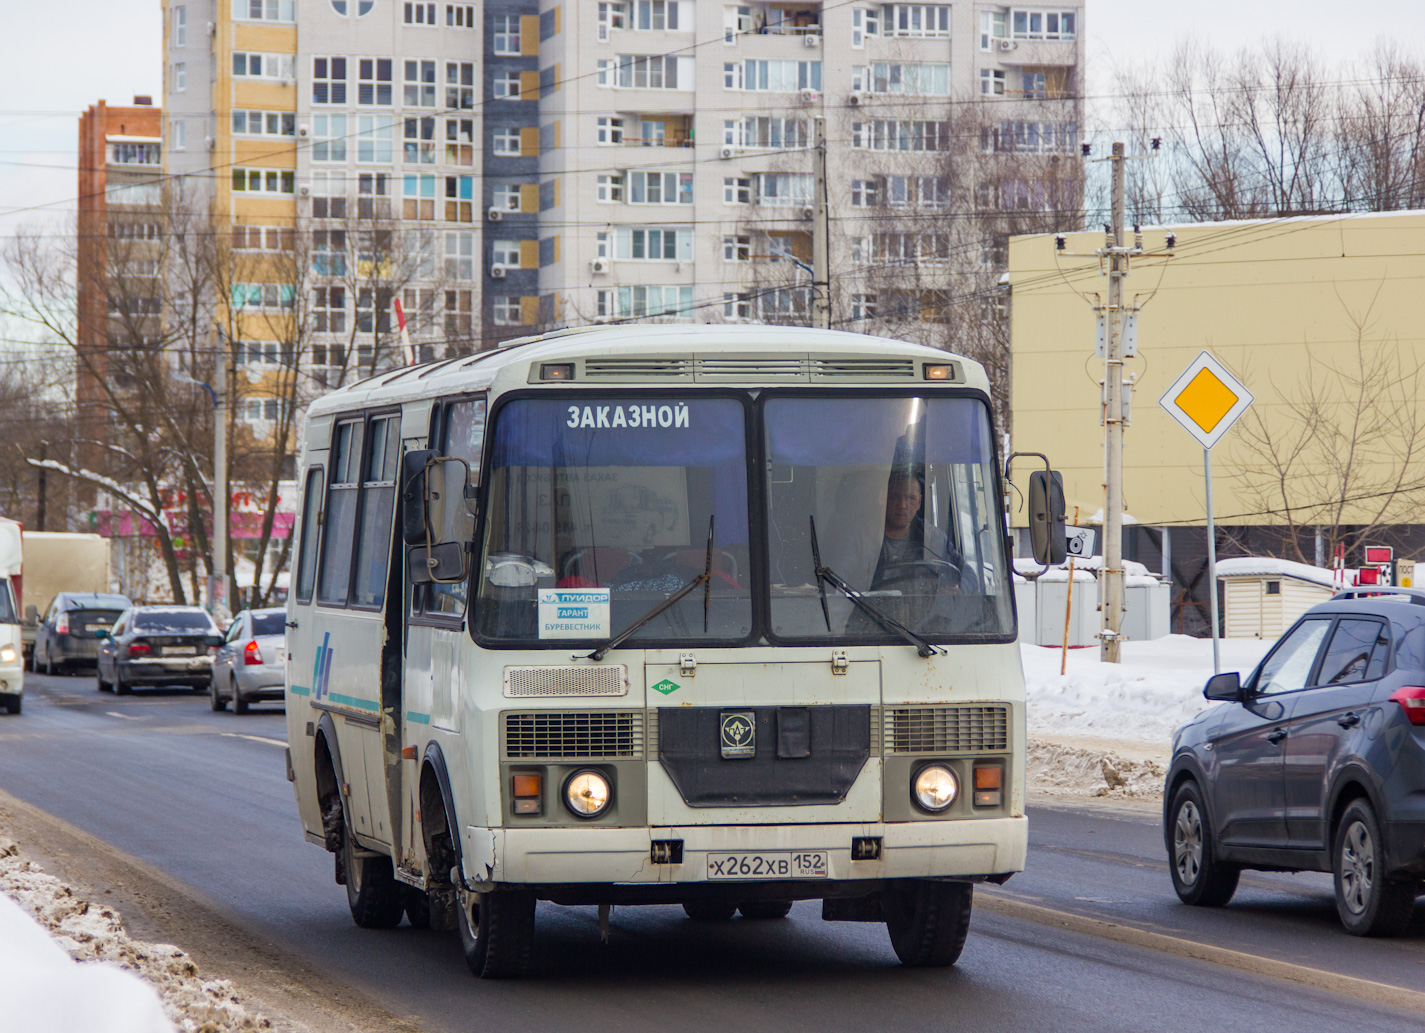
805	755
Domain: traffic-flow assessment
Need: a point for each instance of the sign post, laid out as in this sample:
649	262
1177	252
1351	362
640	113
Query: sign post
1206	400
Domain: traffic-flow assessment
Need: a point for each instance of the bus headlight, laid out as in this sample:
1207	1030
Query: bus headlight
935	787
7	654
587	794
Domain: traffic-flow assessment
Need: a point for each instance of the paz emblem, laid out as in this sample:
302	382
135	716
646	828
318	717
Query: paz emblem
739	734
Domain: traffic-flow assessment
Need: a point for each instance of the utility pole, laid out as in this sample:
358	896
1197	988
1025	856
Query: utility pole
219	591
1112	597
820	234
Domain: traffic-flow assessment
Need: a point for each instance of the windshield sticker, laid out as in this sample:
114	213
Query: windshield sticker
635	416
574	613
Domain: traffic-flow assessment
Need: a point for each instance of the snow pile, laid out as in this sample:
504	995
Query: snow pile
1111	726
1247	566
43	989
1086	568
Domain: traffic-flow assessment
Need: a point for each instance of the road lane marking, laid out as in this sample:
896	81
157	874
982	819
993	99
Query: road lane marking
126	717
254	738
1366	990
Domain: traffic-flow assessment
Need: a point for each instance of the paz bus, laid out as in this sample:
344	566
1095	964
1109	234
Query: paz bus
710	616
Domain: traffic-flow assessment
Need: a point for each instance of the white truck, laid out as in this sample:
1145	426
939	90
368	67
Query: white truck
12	676
59	561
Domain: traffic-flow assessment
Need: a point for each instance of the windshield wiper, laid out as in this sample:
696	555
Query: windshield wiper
882	618
704	579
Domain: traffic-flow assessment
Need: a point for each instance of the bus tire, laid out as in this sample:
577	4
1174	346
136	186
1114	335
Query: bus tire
709	910
417	908
765	909
376	899
498	938
928	920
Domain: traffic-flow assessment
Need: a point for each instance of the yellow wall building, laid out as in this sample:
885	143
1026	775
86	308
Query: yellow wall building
1283	303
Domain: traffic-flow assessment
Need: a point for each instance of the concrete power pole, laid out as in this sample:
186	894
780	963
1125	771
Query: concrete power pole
820	234
1112	599
219	590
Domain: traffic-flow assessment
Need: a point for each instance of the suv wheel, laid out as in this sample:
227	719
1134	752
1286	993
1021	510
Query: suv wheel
1198	877
1369	904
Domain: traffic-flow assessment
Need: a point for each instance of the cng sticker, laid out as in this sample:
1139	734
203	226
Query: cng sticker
666	686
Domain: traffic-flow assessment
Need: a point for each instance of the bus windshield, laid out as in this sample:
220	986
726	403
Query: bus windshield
901	492
599	508
7	603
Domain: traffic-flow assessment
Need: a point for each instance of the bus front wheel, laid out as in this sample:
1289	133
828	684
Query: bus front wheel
928	920
376	899
497	932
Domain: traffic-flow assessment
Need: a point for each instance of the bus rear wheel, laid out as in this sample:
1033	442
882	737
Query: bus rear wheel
497	932
376	899
928	920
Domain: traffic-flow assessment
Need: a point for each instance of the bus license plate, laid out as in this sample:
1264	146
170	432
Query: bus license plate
777	864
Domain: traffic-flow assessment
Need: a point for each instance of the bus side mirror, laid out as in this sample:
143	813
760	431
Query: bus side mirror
415	510
443	564
1046	517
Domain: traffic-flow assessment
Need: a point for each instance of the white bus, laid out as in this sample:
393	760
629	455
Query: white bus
705	615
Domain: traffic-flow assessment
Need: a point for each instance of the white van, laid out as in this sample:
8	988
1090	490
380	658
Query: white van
715	616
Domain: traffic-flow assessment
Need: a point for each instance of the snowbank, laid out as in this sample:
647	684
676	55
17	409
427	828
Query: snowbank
1110	726
1247	566
124	985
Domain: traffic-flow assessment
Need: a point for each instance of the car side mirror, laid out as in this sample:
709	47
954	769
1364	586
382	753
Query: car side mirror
1046	517
32	615
1226	686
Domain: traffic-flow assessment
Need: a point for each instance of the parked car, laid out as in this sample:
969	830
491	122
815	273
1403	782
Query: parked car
158	645
69	633
1316	762
251	663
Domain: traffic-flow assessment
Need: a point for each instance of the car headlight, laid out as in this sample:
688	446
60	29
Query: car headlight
935	787
587	794
7	654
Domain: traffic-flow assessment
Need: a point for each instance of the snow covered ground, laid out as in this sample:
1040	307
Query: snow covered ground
126	985
1106	729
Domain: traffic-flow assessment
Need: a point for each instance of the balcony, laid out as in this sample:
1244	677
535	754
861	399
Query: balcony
776	19
1044	52
657	131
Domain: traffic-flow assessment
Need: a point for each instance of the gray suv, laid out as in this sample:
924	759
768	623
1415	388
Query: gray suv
1316	762
69	634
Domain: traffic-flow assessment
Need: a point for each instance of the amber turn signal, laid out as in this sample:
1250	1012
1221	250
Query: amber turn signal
989	784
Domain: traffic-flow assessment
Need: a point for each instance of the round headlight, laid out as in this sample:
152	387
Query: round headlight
935	787
587	794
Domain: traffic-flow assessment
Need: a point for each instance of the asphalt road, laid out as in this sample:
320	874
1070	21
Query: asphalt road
203	797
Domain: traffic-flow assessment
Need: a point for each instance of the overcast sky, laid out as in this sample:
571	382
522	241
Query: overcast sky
62	55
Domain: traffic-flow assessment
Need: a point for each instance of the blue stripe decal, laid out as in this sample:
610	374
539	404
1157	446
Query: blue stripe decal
352	701
415	718
300	690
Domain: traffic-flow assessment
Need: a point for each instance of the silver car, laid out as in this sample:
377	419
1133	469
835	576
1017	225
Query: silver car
251	663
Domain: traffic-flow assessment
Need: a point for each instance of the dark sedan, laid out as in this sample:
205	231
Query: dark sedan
69	634
1316	762
158	645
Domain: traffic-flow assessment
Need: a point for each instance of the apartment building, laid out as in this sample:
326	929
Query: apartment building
499	167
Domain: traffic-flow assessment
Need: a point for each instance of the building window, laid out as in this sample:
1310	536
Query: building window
135	154
772	76
418	197
1034	85
265	10
863	23
863	306
890	134
737	249
249	65
126	230
647	302
419	84
771	132
506	142
924	79
653	244
505	29
329	80
505	253
372	195
994	26
180	26
459	141
329	252
507	86
373	139
1274	588
737	306
361	7
1029	137
1043	24
262	238
460	85
329	308
915	20
460	16
373	82
419	14
507	310
610	130
460	255
264	181
263	410
258	353
328	195
419	146
178	134
329	138
264	123
610	187
784	189
180	76
635	72
736	190
992	82
660	188
505	197
865	193
459	198
271	297
459	313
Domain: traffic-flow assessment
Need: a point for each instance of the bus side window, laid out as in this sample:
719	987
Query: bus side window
307	550
334	583
378	491
462	437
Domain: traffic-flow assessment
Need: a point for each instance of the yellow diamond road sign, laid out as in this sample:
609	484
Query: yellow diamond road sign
1207	399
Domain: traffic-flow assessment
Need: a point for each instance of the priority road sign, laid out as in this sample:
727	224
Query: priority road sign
1206	400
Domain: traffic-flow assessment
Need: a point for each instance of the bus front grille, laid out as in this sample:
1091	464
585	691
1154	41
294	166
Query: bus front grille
555	734
524	682
947	729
